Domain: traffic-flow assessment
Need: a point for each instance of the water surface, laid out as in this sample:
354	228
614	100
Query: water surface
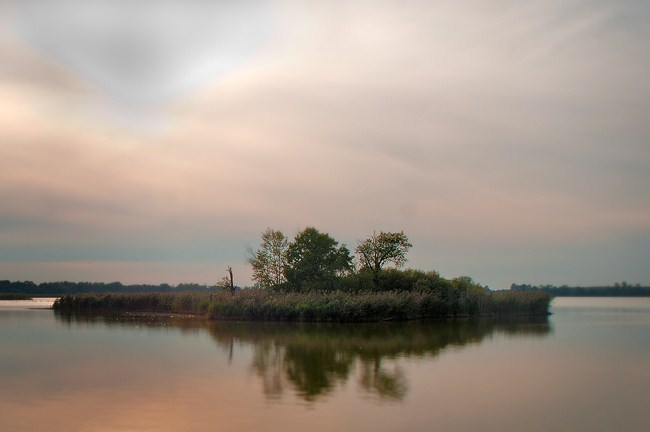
583	368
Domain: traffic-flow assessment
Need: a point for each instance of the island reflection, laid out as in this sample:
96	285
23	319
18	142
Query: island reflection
312	359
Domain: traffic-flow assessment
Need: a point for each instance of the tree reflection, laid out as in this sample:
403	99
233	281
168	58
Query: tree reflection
387	383
312	360
268	362
314	370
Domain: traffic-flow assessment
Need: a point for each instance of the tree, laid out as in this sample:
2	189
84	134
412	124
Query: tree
378	250
314	257
226	283
270	260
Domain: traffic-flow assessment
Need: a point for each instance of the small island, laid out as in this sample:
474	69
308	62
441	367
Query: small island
312	278
319	306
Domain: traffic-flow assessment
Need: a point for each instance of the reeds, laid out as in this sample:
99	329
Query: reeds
322	306
183	302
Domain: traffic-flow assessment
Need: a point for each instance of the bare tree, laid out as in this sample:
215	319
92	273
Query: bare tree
227	283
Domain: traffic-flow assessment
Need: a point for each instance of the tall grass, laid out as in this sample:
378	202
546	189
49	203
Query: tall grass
183	302
323	306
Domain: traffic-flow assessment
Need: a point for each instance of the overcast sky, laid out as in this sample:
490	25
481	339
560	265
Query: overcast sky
152	141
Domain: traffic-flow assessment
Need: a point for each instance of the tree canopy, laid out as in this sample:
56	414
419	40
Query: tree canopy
270	260
380	249
315	257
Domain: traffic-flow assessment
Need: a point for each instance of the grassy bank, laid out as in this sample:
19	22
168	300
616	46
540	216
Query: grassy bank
335	306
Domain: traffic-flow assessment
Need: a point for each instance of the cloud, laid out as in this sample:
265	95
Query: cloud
142	52
511	128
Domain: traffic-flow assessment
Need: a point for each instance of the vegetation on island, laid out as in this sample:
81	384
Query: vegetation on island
315	261
313	278
323	306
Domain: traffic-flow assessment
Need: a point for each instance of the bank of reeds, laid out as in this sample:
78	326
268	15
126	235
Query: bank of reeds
182	302
324	306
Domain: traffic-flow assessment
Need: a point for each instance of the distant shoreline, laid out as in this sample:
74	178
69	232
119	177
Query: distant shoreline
15	296
619	290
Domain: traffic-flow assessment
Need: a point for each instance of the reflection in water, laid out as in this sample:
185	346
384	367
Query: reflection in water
313	359
386	383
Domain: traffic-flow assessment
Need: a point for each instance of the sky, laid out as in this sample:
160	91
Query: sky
149	141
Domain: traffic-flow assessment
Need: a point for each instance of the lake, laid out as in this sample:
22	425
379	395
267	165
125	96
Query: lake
584	368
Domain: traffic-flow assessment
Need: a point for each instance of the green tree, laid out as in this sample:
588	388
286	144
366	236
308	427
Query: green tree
380	249
270	260
315	257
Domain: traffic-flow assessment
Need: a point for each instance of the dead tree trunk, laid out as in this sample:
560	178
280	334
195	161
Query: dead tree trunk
232	285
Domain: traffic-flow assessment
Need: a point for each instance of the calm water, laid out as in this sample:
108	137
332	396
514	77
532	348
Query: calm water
585	368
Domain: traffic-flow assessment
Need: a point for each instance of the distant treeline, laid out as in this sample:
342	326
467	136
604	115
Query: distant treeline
14	296
62	288
622	289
